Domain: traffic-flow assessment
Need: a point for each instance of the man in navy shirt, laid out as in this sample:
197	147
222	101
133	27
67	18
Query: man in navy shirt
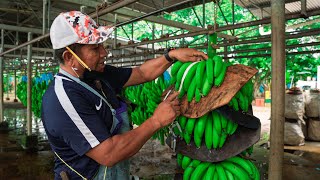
86	124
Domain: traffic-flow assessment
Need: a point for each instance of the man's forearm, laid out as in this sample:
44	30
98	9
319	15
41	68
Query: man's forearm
154	68
126	145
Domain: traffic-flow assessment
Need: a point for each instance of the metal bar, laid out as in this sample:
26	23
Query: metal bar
224	17
248	10
29	86
277	89
113	7
49	14
20	29
233	57
267	38
152	13
44	13
304	8
233	31
15	84
33	49
1	76
194	11
204	13
115	32
25	44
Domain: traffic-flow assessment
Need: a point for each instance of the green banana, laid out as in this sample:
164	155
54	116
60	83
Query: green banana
187	137
199	130
179	159
185	162
191	90
241	100
235	104
224	122
180	74
208	131
220	172
215	138
173	80
190	125
210	172
209	71
222	140
199	172
229	175
206	86
229	127
200	73
217	65
219	79
175	68
237	171
190	77
255	170
182	122
217	122
181	93
234	128
197	95
242	163
188	171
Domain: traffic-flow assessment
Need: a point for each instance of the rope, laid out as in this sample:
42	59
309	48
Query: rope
185	74
70	166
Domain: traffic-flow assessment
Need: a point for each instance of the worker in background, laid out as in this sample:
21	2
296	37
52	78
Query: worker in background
86	124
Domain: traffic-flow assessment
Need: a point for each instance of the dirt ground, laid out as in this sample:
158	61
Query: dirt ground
154	161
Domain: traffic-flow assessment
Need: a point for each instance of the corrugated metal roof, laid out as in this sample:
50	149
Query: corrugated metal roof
262	7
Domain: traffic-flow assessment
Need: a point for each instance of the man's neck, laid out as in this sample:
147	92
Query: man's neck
70	71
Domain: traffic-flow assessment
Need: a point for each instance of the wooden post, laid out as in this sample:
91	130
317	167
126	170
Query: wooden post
277	89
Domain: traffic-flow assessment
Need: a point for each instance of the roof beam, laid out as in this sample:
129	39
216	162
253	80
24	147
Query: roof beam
20	29
268	4
88	3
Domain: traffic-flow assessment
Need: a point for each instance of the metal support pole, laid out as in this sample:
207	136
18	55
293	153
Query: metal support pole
1	76
49	15
304	8
278	89
233	17
115	32
204	13
44	15
225	52
153	28
29	90
15	85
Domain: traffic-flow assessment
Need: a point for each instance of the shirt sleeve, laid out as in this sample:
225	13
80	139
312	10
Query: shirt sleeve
117	77
78	123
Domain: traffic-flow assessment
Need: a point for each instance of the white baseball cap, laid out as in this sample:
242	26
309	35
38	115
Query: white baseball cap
75	27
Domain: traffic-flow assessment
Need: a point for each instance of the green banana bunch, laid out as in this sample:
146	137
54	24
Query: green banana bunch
146	98
212	129
231	168
243	98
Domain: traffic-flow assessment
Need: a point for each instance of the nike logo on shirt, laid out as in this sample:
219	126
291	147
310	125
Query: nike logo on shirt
99	107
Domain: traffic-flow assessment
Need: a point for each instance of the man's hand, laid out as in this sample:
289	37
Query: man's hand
167	111
187	55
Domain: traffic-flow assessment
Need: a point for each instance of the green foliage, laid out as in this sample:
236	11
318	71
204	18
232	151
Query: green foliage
297	66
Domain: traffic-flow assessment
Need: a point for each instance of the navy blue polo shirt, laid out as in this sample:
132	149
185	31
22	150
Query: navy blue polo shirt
76	120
